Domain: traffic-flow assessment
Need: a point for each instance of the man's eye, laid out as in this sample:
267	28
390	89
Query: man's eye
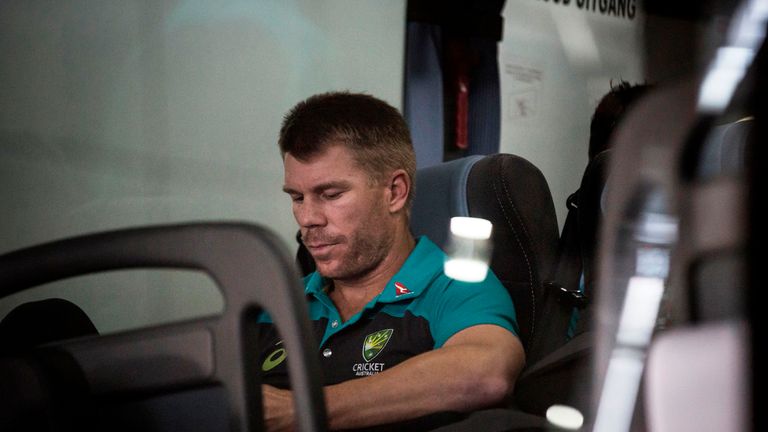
331	195
297	198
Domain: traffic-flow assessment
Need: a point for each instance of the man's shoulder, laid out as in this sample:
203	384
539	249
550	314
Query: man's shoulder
445	285
426	263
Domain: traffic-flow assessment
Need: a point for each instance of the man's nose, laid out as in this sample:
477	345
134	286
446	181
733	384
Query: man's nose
309	214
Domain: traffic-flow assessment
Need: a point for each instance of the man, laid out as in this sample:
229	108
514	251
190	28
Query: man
577	267
398	339
609	113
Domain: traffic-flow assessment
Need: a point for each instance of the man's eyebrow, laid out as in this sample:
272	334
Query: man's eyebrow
319	188
338	184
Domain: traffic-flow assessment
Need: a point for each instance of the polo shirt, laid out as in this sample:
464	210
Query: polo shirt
418	310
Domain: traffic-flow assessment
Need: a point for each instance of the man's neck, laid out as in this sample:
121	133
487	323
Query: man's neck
350	296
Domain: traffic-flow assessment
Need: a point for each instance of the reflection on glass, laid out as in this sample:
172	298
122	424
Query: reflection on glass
469	249
565	417
745	35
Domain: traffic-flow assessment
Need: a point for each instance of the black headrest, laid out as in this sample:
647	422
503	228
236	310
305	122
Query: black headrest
38	322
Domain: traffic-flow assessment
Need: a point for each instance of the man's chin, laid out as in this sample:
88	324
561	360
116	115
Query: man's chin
326	269
332	270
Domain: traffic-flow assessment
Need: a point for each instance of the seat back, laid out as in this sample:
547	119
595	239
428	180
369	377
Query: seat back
709	292
203	369
513	194
672	249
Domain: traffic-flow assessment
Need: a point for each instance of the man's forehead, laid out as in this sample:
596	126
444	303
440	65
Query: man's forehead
327	170
337	158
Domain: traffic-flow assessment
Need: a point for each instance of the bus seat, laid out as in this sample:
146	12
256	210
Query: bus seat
679	201
560	373
197	375
698	369
513	194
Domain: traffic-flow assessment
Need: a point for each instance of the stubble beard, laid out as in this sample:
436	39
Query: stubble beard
364	256
367	249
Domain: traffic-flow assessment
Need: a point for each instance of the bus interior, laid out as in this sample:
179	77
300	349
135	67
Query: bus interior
144	223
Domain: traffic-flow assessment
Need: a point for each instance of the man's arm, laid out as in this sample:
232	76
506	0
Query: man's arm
475	368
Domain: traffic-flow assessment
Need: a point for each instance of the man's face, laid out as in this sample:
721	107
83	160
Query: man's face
343	216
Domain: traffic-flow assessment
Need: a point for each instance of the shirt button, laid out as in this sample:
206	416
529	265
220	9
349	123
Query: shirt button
334	324
327	352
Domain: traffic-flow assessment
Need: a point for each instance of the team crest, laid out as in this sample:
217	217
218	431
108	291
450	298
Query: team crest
374	343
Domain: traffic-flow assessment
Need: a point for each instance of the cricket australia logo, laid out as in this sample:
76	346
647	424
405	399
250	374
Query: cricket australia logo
374	343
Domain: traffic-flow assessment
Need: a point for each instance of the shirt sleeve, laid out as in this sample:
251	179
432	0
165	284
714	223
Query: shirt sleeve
460	305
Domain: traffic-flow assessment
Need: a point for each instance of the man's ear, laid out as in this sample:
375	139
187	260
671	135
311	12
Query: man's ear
399	186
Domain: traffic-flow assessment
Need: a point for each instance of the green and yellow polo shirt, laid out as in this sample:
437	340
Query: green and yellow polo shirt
419	309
